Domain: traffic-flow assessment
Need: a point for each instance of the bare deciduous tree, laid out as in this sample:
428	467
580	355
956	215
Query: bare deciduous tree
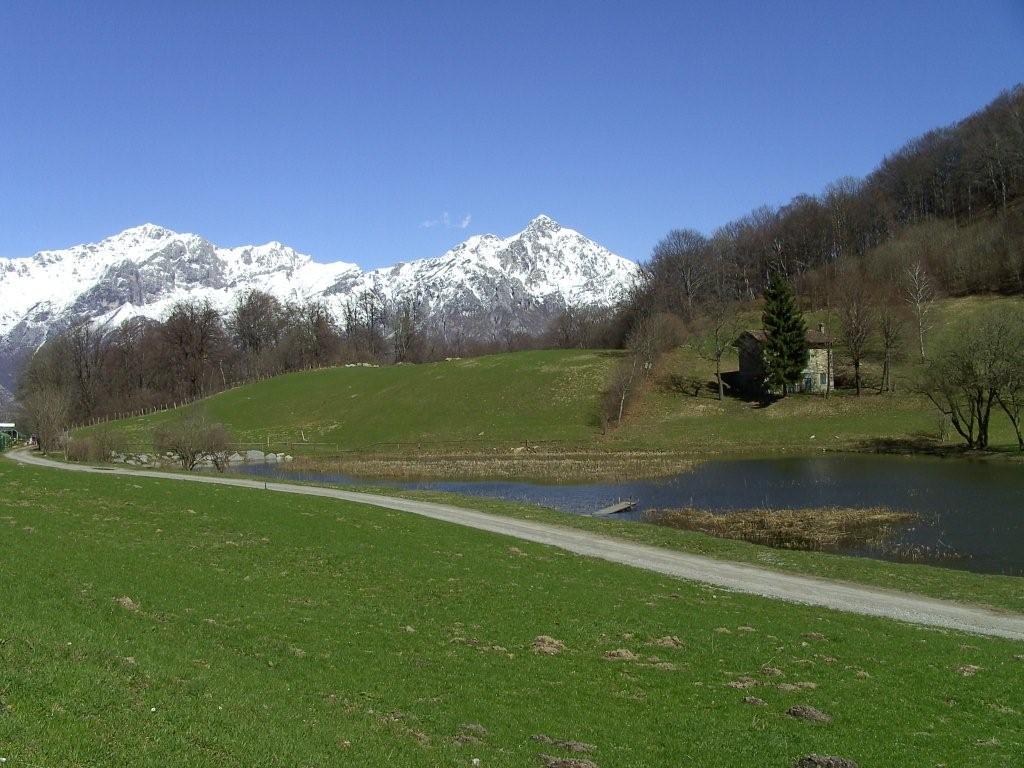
890	336
257	322
192	440
679	268
856	324
920	295
194	342
976	368
48	409
718	337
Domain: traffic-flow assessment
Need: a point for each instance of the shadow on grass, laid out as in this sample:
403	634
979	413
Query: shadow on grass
916	445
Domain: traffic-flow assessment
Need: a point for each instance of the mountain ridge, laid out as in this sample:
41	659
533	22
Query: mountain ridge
478	289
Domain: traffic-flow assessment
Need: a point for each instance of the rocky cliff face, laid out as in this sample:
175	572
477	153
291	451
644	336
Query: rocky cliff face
479	289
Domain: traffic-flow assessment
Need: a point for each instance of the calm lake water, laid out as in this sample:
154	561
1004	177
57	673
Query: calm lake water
971	513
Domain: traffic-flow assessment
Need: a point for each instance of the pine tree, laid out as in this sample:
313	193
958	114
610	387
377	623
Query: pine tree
785	351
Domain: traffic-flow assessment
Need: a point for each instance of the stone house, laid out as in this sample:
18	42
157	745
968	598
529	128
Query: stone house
818	376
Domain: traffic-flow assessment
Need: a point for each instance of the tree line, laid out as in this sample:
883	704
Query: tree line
87	372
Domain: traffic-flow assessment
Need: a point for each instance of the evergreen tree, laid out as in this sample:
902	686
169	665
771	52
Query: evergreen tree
785	351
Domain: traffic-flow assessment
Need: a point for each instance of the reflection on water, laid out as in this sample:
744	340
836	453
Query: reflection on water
975	509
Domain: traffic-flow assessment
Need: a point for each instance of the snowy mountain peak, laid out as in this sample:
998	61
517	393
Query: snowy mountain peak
543	222
145	232
480	288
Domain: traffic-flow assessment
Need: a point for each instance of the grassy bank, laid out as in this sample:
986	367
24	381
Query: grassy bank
150	622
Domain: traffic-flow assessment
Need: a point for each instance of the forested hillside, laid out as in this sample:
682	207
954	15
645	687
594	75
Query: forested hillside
947	204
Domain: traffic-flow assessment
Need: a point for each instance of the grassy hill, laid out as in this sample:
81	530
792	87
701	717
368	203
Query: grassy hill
493	400
486	408
202	626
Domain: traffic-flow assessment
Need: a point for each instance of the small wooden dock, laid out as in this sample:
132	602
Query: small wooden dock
614	509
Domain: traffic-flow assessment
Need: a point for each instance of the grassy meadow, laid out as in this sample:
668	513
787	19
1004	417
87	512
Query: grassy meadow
536	414
150	622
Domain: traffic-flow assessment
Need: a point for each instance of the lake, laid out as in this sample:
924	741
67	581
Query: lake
971	512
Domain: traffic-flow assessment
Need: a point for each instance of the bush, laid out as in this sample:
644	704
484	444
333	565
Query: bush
96	446
194	439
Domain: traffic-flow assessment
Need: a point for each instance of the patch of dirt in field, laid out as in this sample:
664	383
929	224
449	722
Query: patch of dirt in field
742	683
968	670
805	712
823	761
127	603
547	645
569	745
550	761
803	686
669	641
471	734
620	654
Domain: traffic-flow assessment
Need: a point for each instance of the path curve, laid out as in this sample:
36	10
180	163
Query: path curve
808	590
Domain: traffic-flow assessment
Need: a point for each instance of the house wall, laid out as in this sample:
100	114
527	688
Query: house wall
751	364
751	376
818	372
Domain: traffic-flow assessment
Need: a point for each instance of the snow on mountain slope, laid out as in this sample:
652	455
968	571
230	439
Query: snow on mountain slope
478	289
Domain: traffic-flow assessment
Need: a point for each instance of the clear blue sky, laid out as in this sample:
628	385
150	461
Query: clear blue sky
342	128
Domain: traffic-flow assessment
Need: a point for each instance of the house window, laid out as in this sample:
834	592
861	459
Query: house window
808	383
824	379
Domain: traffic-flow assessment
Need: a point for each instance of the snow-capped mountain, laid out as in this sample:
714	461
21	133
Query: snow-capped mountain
479	289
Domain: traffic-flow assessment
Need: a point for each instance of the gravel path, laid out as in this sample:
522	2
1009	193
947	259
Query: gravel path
739	577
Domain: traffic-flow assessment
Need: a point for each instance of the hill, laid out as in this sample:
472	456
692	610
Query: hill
481	416
495	400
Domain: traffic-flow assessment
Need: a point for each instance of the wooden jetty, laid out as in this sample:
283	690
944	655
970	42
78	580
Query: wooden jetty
614	509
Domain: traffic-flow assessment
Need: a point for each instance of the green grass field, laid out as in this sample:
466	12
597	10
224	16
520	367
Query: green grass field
149	622
491	406
484	401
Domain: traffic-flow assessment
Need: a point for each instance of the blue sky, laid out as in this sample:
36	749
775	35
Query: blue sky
372	132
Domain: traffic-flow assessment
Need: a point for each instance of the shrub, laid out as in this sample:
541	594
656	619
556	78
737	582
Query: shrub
97	446
194	439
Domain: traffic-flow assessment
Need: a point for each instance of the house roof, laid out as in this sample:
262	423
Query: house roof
815	338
